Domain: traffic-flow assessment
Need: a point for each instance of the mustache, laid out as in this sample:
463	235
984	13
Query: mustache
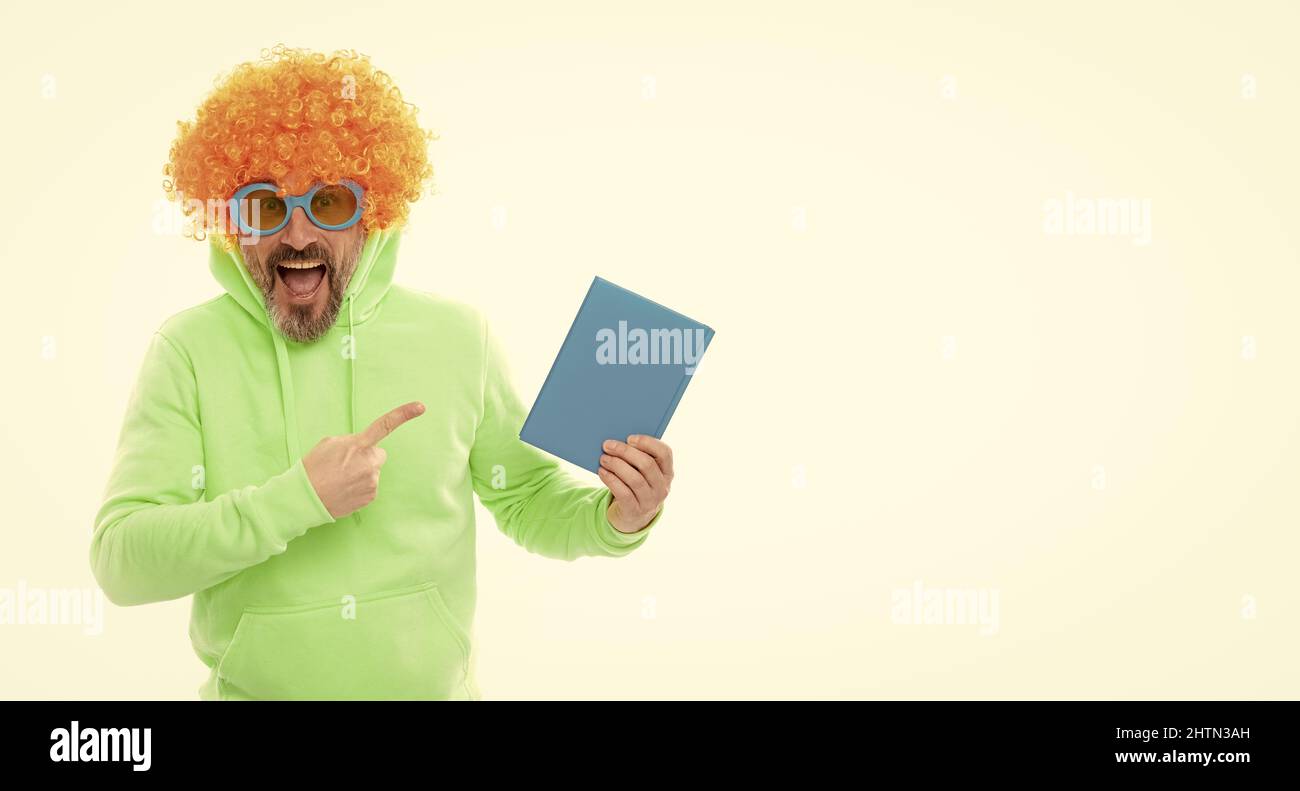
312	252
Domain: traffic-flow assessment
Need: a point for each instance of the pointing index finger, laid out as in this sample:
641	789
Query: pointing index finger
389	421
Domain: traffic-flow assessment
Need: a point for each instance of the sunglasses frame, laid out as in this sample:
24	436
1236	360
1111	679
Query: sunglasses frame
293	202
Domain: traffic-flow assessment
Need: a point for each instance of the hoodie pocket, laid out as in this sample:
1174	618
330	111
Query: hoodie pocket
401	643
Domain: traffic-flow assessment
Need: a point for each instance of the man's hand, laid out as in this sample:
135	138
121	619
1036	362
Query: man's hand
344	470
639	472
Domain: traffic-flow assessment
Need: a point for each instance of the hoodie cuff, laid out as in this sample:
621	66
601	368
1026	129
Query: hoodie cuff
289	503
615	540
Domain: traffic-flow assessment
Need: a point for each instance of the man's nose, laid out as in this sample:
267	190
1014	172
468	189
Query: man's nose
300	231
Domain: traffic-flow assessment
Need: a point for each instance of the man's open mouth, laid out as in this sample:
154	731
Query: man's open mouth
302	278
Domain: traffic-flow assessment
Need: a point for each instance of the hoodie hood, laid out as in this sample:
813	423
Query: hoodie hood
367	288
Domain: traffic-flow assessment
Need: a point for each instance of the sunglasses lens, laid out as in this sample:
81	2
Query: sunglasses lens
333	204
262	209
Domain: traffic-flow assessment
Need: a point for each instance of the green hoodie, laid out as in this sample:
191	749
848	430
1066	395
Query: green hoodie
208	494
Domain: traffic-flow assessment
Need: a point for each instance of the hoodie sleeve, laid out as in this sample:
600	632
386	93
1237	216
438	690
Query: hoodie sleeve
156	538
535	502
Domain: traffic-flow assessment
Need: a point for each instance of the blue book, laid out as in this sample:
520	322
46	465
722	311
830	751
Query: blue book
621	370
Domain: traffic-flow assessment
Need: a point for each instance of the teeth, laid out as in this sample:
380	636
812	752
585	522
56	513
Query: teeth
300	264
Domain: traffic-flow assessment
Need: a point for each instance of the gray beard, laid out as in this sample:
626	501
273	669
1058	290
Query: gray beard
297	322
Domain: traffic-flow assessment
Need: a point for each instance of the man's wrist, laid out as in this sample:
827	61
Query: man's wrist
647	524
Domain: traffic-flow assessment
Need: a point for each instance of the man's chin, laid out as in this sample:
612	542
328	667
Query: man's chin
304	323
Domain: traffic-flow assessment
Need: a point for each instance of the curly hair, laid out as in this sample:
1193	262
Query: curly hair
325	117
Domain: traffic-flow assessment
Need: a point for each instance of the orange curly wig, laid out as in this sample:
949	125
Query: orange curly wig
295	111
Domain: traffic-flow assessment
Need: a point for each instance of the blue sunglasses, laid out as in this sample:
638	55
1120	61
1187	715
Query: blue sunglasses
263	208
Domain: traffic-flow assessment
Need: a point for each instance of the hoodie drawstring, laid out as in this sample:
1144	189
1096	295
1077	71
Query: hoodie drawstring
352	384
287	399
352	372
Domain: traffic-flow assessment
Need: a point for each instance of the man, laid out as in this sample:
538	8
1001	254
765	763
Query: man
312	576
